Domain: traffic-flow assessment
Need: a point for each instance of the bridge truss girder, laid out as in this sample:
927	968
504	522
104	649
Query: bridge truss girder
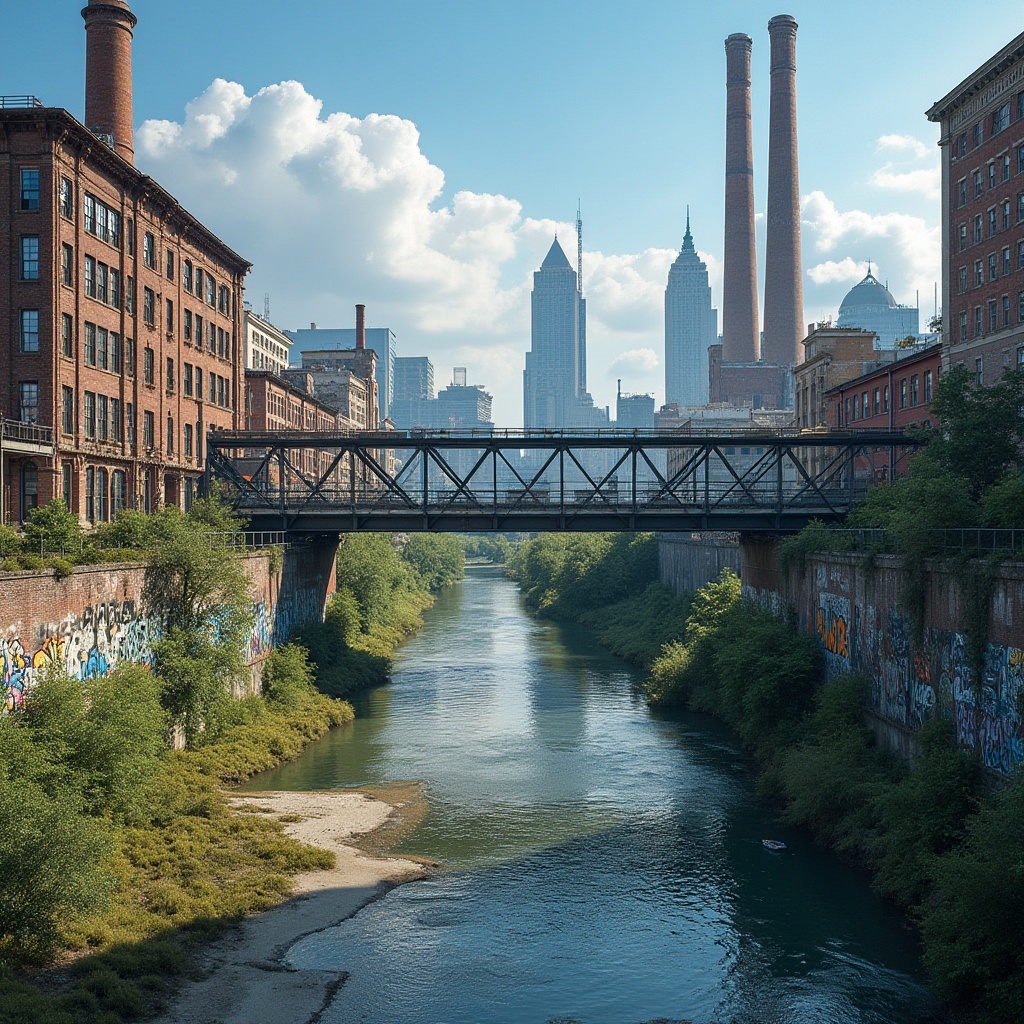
524	482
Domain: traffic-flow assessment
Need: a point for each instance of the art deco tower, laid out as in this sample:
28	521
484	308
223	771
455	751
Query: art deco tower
783	285
740	342
691	325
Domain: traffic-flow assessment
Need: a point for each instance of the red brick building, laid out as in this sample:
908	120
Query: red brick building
894	396
120	313
982	141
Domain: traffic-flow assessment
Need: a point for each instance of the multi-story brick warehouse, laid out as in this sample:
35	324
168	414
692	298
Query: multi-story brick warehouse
120	313
982	142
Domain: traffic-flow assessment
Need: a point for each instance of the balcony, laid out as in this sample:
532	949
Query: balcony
25	438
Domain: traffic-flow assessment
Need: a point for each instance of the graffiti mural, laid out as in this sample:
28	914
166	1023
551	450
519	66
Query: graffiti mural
261	634
833	627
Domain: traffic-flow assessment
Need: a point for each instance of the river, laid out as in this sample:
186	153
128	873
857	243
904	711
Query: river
604	863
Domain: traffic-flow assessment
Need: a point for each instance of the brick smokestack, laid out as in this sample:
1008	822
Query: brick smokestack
360	326
739	298
783	280
108	72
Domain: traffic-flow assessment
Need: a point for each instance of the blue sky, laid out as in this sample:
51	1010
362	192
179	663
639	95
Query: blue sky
497	117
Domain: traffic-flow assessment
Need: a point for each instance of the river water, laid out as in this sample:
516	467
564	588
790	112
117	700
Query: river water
605	864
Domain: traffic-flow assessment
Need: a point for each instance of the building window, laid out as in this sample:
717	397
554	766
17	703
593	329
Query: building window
30	188
170	436
101	348
187	326
224	299
199	283
1001	118
186	275
963	237
963	279
992	271
1007	262
67	265
28	338
118	491
149	250
199	382
67	335
213	387
30	257
102	482
877	405
90	494
977	184
977	228
1020	358
976	135
211	291
129	295
169	316
129	356
979	273
1006	167
1020	208
1020	307
131	237
885	398
67	205
115	419
903	393
170	374
89	344
992	175
913	390
129	422
991	222
978	330
147	429
927	385
188	439
1006	310
89	409
199	442
147	366
187	381
102	417
67	409
220	342
90	277
101	282
979	371
148	306
962	192
993	320
1006	214
170	265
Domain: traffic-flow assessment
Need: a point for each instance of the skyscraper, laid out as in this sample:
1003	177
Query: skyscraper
691	326
554	381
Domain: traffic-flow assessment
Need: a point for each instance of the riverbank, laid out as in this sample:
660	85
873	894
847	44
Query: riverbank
246	975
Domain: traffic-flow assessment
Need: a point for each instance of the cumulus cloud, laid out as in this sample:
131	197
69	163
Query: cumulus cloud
904	250
906	144
333	209
904	173
642	360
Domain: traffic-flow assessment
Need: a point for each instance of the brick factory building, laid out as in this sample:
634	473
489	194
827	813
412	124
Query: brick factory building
120	313
982	142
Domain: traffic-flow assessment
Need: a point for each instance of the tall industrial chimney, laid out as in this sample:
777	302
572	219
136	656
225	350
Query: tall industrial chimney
360	326
739	297
108	73
783	280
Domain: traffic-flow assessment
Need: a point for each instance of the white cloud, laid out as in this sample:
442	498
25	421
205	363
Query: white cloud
923	180
641	359
334	210
831	272
906	144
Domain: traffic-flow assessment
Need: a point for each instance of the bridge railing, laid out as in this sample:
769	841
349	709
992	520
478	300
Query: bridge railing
978	541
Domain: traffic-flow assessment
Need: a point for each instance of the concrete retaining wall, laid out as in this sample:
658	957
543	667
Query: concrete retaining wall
687	561
96	618
856	611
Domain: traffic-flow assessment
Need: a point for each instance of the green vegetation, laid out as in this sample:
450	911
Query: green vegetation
490	547
932	839
127	854
381	593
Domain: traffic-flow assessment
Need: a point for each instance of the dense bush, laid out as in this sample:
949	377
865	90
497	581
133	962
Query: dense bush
491	547
439	559
639	627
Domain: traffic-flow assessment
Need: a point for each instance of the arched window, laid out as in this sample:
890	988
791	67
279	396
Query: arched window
118	492
102	492
186	275
29	488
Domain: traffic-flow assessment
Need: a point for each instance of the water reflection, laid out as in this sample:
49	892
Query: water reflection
607	864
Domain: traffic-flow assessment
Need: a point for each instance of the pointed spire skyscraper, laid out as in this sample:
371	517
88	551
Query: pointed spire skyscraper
691	326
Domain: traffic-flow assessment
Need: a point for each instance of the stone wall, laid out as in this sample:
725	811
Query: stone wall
96	618
687	561
855	609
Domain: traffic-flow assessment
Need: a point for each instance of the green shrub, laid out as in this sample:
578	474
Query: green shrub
439	559
287	675
31	562
61	567
53	527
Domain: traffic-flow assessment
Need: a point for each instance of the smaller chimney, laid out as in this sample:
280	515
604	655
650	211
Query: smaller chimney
312	326
360	326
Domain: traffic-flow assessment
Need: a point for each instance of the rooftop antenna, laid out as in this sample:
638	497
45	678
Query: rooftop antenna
869	268
266	306
579	249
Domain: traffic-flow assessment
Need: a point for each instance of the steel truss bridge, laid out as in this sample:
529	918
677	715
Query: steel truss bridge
310	483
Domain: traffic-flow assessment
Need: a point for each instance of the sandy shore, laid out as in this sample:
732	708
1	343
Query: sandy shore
247	979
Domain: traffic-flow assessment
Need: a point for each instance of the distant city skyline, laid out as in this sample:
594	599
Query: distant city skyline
412	178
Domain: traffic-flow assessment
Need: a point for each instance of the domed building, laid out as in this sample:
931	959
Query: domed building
870	305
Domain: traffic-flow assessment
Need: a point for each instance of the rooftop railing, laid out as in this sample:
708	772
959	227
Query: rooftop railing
19	431
19	102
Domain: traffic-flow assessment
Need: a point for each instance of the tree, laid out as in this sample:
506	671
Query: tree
439	559
981	430
53	526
